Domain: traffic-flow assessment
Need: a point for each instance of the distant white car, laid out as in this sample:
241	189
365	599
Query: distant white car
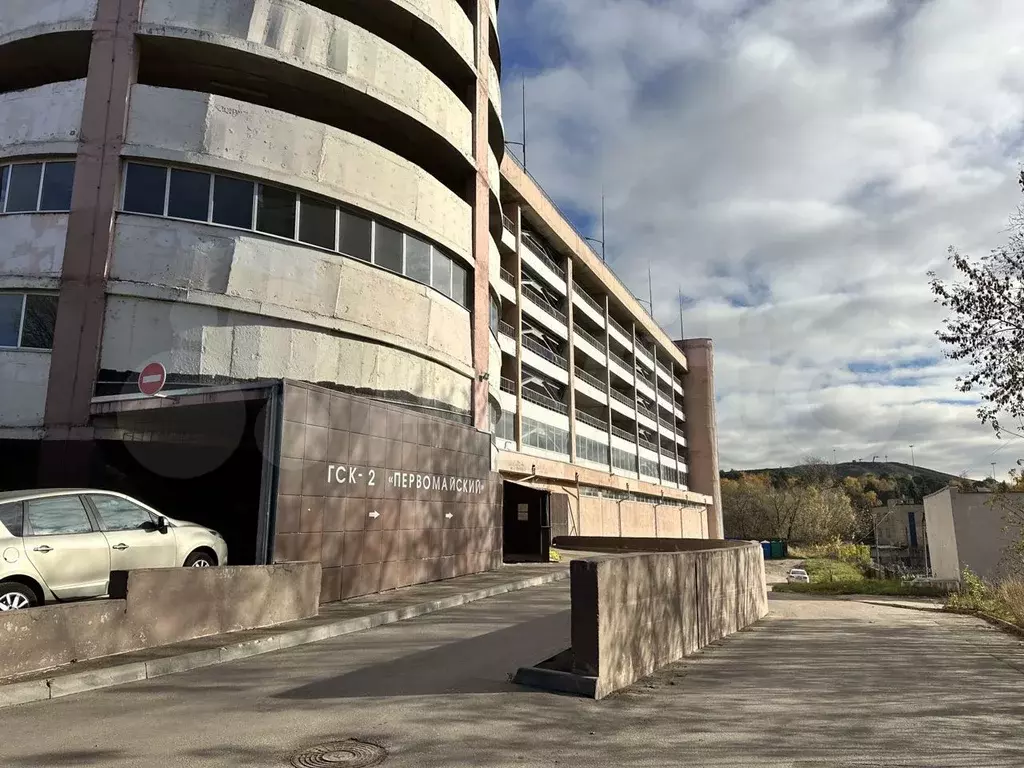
798	576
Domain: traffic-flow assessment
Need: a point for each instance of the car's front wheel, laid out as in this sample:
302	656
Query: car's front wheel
201	559
15	596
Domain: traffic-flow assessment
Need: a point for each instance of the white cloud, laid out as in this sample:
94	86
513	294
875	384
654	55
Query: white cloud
811	160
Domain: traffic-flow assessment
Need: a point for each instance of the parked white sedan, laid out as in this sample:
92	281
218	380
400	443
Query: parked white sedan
798	576
58	545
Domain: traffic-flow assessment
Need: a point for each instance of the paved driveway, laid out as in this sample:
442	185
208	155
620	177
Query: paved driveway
818	683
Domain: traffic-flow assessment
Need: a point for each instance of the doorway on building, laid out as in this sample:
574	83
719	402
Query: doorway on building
527	524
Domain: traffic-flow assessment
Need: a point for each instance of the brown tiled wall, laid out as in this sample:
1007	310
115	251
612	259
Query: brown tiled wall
410	541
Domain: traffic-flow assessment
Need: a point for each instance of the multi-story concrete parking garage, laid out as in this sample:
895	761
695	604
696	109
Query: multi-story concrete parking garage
385	348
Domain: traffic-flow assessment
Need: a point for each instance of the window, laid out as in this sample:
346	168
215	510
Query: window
417	259
4	171
387	248
57	515
495	317
591	450
623	460
23	187
275	211
189	196
145	188
27	320
442	277
317	222
232	202
649	468
11	517
459	285
117	514
545	436
58	179
185	194
354	236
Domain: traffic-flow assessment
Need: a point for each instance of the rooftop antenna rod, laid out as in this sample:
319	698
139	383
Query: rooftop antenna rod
682	335
523	142
650	290
594	239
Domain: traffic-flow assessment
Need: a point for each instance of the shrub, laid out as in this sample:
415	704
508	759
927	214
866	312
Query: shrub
1011	593
826	570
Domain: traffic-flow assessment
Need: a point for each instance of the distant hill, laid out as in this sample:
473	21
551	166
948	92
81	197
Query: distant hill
911	483
855	469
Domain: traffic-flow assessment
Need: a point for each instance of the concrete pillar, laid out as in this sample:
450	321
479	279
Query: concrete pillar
518	277
481	220
702	428
571	357
78	334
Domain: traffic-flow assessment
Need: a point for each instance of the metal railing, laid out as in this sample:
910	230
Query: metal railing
665	370
667	425
589	337
545	402
540	300
507	221
645	354
506	328
591	379
540	252
618	432
648	445
507	385
624	399
593	421
587	299
547	354
668	455
620	360
620	329
646	411
507	277
583	238
642	375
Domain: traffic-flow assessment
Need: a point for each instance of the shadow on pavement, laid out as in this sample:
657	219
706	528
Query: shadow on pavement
476	665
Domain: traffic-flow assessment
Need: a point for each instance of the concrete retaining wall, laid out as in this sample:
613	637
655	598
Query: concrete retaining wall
155	607
633	613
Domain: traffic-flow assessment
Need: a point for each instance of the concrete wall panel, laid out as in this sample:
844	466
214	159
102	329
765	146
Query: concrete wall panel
986	528
304	36
156	607
634	613
264	274
942	544
190	127
41	121
33	244
448	18
211	340
23	379
27	18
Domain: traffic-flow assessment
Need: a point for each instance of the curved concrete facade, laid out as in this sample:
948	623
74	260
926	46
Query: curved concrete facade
27	18
301	35
231	135
41	121
448	18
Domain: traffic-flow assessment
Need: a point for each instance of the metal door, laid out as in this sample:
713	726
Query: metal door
62	543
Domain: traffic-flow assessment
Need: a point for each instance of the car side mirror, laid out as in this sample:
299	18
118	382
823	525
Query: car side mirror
161	524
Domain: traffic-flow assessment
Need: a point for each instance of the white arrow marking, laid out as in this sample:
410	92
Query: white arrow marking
375	514
449	516
153	378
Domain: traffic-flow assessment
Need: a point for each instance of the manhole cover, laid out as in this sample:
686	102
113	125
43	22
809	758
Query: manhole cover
355	754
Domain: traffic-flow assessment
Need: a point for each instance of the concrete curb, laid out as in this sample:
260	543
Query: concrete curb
60	685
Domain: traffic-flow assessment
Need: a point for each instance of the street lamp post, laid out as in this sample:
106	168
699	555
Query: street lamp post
912	462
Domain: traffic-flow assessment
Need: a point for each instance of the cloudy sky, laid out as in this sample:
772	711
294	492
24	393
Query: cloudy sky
795	167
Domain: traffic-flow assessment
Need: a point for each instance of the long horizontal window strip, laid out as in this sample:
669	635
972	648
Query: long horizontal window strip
268	209
37	186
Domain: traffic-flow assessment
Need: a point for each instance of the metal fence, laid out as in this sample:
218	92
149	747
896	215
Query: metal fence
591	379
545	402
506	328
593	421
547	354
540	300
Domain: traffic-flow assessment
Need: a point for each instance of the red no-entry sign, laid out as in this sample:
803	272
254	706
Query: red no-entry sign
152	379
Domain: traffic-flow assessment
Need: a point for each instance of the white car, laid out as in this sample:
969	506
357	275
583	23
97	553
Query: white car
798	576
59	545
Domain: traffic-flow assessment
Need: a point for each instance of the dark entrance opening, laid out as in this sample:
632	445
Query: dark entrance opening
208	458
527	524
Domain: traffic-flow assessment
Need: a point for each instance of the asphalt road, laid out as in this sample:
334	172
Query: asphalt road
820	683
